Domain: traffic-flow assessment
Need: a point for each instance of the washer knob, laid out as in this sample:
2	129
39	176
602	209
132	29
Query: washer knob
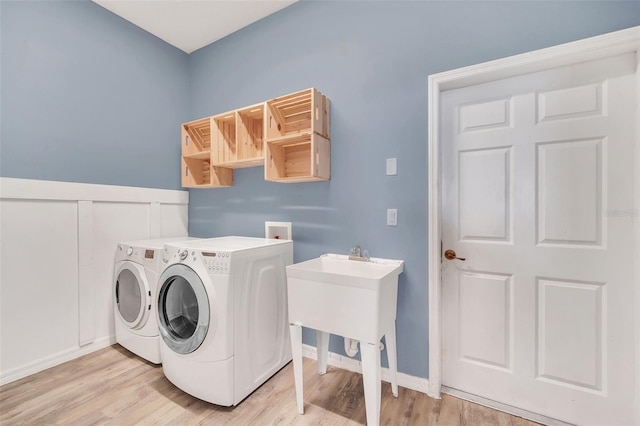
129	251
184	254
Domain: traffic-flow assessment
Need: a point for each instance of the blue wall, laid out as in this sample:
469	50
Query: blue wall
88	97
372	60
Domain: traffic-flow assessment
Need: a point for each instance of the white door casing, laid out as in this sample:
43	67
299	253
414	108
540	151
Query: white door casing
491	226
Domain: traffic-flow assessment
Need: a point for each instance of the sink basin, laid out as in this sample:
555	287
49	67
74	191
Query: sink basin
338	269
350	298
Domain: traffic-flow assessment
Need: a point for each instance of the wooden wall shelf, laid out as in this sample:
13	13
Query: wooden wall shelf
198	173
238	138
306	111
197	170
289	135
304	158
196	136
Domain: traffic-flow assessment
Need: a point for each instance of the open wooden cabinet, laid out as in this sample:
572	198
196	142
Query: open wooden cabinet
289	135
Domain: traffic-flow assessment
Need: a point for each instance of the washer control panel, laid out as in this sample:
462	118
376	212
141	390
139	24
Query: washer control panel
135	254
217	261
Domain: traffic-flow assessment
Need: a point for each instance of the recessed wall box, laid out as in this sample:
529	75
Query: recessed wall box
278	230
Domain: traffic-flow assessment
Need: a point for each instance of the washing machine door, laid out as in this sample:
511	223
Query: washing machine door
132	295
183	309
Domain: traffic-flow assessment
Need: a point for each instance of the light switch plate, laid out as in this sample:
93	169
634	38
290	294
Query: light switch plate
392	217
392	166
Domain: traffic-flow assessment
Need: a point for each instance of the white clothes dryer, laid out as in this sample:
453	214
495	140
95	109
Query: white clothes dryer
138	265
222	314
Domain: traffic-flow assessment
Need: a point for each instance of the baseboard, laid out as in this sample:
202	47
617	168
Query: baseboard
406	381
53	360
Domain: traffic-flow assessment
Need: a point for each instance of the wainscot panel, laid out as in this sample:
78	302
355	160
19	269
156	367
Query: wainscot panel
57	245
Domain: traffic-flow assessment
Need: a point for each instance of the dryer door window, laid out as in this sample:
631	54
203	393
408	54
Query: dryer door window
183	309
132	295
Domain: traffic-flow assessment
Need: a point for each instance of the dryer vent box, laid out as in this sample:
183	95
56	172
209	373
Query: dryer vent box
278	230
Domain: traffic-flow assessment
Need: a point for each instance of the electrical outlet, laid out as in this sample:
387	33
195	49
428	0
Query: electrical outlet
392	217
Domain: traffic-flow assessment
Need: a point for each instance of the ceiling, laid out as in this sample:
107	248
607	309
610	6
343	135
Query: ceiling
192	24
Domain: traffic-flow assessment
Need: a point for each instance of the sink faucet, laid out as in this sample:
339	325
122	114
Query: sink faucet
358	254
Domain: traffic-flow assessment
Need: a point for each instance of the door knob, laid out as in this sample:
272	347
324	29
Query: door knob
450	255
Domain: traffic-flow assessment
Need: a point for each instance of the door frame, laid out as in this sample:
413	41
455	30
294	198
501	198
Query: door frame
593	48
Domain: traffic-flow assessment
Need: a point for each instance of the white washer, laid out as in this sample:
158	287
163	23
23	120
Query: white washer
135	278
222	314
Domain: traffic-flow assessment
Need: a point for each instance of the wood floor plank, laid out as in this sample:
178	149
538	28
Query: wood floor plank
425	411
114	387
450	412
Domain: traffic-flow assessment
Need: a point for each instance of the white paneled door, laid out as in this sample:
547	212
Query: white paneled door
538	198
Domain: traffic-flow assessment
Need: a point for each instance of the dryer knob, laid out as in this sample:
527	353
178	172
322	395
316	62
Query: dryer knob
129	251
184	254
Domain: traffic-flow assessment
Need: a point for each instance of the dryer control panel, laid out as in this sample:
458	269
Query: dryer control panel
217	261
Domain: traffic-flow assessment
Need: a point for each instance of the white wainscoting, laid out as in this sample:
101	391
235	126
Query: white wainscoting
57	245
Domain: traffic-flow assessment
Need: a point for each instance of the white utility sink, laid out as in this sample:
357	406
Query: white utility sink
351	298
345	297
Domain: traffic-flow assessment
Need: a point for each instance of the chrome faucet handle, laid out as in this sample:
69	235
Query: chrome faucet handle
356	251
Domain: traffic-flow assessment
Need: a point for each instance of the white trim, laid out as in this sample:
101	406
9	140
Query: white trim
434	239
615	43
14	188
86	302
539	418
406	381
155	220
589	49
636	224
55	359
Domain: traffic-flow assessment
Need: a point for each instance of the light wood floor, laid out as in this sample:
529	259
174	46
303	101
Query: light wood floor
114	387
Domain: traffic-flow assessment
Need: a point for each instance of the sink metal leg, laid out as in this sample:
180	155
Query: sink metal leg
371	376
322	343
390	338
296	351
